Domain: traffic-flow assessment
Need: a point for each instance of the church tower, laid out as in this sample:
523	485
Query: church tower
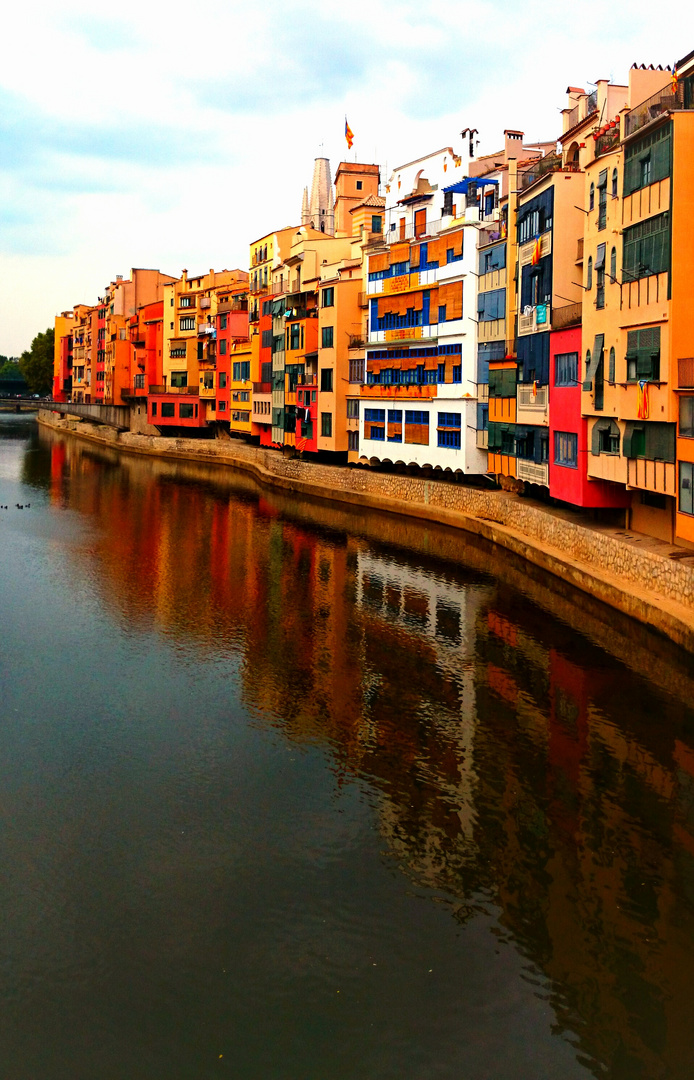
320	211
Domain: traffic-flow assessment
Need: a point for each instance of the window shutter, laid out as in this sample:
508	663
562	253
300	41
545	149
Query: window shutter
628	438
595	439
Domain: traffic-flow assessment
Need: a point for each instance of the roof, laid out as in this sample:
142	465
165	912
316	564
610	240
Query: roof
370	200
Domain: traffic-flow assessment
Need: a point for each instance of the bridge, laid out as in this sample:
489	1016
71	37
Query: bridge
115	416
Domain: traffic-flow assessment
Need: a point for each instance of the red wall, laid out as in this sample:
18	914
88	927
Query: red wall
176	421
573	485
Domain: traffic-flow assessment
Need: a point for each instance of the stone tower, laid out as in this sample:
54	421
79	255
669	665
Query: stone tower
319	211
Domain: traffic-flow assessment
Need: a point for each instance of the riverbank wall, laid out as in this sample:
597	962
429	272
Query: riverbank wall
640	581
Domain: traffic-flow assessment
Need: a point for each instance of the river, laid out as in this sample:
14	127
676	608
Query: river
289	792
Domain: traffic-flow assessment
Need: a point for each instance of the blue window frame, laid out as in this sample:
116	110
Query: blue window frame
566	369
457	373
566	449
394	419
449	430
441	373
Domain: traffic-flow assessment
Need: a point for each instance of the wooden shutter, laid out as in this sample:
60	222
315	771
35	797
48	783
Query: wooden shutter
420	222
378	262
452	296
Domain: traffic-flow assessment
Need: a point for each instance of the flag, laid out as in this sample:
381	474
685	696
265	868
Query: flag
537	252
674	80
349	135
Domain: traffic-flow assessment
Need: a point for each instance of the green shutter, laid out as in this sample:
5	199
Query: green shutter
660	441
595	439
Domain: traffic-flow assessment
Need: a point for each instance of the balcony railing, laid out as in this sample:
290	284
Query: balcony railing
585	108
412	232
262	388
685	373
356	341
550	164
190	391
664	101
567	315
607	141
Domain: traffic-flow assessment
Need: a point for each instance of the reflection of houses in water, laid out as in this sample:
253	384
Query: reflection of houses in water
434	620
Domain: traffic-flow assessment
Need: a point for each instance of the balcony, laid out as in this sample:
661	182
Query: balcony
653	107
585	108
207	329
356	341
532	408
262	388
685	373
552	163
532	472
656	476
579	250
190	391
567	315
607	141
482	439
398	232
534	320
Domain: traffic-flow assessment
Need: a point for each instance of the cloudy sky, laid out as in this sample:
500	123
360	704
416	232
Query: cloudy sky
170	135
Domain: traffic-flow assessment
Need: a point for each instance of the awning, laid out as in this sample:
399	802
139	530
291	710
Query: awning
462	185
595	359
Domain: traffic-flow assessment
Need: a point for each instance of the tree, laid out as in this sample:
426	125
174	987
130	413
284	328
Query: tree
36	365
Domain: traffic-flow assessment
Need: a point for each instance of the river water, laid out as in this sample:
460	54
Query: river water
291	793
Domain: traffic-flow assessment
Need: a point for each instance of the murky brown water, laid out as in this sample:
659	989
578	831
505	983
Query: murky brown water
289	792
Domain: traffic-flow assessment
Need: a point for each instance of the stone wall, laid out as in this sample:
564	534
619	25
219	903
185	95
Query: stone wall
619	573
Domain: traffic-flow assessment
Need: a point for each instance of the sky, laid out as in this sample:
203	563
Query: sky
171	135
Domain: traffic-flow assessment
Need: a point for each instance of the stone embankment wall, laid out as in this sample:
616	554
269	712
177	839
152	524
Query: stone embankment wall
641	582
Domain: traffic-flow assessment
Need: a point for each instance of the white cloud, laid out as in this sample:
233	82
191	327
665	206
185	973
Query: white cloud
170	136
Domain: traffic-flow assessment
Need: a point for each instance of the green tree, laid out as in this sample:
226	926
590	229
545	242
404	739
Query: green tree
36	365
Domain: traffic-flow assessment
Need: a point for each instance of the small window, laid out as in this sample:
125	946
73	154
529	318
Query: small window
326	425
591	198
221	406
589	273
566	369
609	441
687	417
329	297
154	408
222	379
326	380
646	171
167	408
359	185
327	337
686	487
613	264
611	371
352	440
614	183
566	449
376	223
353	408
222	322
222	347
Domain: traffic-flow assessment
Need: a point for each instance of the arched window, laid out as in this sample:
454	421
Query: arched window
614	183
613	264
587	361
591	200
589	275
611	370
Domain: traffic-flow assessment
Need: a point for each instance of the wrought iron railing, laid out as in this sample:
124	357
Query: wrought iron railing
666	100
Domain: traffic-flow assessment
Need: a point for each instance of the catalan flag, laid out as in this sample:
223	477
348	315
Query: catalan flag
537	252
674	81
349	135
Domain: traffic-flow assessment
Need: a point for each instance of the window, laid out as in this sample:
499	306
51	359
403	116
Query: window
600	277
395	425
686	486
492	259
442	312
646	247
687	417
605	438
186	301
448	430
327	337
222	322
491	305
154	408
566	369
613	265
326	425
221	406
168	408
356	371
222	347
614	183
417	427
611	371
295	336
441	373
374	424
376	223
651	440
643	355
566	449
241	370
589	273
326	380
353	408
645	171
352	440
222	379
185	411
328	297
502	382
187	322
457	373
359	185
591	197
179	378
